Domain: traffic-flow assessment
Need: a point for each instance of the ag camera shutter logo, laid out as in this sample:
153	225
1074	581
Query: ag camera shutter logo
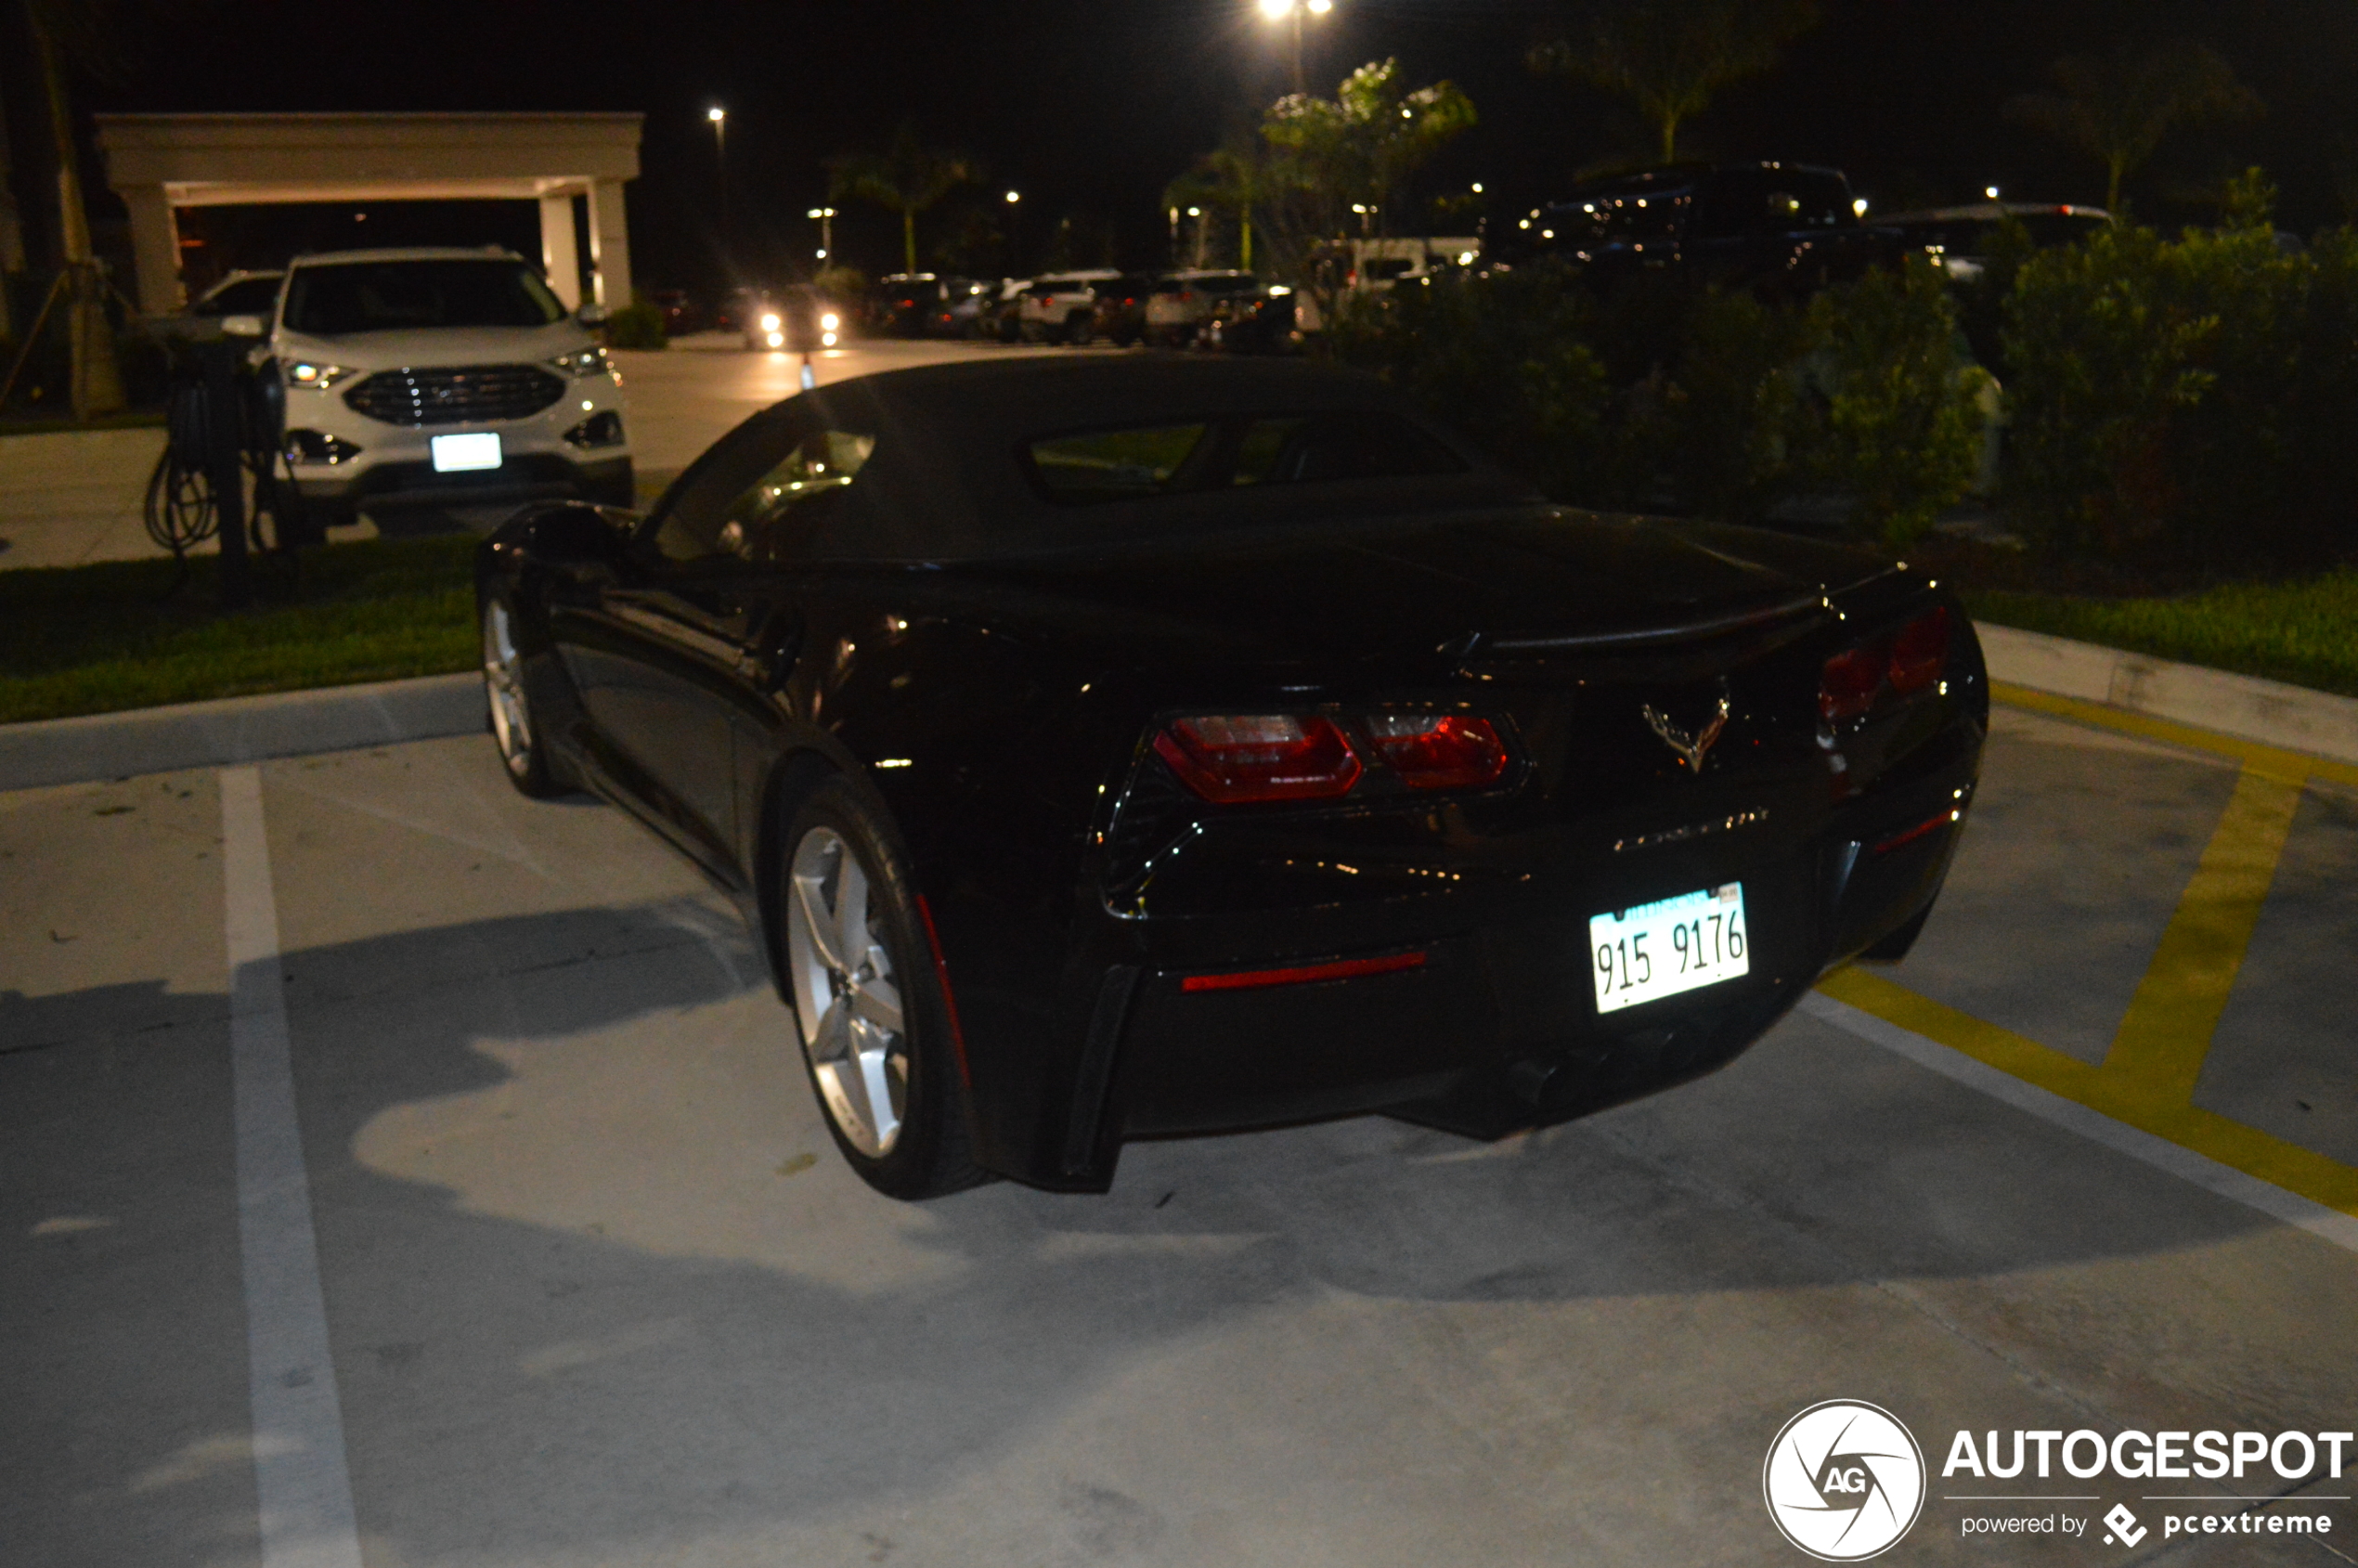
1843	1481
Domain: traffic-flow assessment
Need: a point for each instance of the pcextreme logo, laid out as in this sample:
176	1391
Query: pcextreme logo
1843	1481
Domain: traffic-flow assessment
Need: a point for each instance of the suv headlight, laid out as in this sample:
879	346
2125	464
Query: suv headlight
588	362
305	372
771	321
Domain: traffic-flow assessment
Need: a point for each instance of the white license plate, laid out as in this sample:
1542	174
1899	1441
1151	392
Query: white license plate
467	453
1674	945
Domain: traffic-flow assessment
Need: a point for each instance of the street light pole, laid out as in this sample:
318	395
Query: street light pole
719	119
826	218
1291	12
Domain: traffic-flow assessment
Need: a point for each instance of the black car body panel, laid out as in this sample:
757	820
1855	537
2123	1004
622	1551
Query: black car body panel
993	666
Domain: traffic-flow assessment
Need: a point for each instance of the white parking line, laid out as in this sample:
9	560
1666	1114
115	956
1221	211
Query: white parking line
300	1475
2330	1225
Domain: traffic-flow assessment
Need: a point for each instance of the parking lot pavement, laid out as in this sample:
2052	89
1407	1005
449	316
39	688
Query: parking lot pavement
593	1287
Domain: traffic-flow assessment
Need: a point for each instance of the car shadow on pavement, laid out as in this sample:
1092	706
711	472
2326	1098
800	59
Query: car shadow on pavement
589	1299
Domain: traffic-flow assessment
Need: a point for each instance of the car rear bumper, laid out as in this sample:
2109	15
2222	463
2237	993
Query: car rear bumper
1474	1009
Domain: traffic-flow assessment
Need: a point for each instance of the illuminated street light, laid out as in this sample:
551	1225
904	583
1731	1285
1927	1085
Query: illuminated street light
1013	197
1292	11
1990	191
718	118
825	218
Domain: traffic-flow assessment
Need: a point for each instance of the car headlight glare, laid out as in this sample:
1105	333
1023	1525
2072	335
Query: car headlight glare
582	362
304	372
830	322
770	322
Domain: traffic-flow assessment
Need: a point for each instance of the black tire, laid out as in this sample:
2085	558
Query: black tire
524	749
1079	328
846	1048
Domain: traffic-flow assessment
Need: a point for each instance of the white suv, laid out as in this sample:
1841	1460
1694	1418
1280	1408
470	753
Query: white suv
1061	308
1181	302
442	377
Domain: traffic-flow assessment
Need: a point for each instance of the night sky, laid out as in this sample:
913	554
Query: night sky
1090	109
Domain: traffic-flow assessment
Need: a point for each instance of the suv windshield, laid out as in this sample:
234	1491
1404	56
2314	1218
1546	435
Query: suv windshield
391	297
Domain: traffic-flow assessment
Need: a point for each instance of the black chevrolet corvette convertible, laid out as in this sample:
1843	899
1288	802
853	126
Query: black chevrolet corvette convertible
1142	746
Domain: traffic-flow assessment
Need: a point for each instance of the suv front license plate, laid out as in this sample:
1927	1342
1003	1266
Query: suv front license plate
1674	945
464	454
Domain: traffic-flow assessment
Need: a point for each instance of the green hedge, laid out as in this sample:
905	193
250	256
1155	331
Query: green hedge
2193	400
1656	395
2196	398
636	326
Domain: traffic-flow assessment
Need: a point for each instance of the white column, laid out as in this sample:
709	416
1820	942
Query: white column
610	243
559	258
155	247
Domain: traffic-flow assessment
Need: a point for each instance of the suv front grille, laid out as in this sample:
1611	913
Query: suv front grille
455	394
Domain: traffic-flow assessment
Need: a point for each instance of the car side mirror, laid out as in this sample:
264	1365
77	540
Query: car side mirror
591	314
241	327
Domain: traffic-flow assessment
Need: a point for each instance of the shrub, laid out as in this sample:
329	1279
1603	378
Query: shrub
1504	359
637	325
1899	429
2195	397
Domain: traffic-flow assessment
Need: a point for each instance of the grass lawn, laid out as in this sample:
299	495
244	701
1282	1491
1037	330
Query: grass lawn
2304	631
115	635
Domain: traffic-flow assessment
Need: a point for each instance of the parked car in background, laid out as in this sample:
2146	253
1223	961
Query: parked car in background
798	319
1376	265
682	315
446	377
1960	237
955	315
1122	308
1063	308
240	293
1103	829
905	304
1264	321
999	316
1181	302
1778	228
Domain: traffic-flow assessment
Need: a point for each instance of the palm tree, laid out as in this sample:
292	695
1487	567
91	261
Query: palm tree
1671	57
2118	108
57	27
908	177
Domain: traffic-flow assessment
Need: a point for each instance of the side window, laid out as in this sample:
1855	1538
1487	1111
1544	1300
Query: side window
1318	448
770	519
732	503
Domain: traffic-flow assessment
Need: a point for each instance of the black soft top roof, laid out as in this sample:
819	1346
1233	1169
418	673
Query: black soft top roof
947	480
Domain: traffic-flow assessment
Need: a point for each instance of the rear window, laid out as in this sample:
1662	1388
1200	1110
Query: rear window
1137	461
393	296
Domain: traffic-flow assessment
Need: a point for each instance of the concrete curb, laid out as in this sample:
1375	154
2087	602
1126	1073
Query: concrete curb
2270	712
159	740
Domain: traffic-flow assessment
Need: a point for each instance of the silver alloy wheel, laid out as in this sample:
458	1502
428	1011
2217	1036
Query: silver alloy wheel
845	996
504	682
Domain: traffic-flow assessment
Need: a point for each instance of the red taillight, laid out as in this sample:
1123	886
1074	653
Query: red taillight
1911	660
1186	294
1851	680
1234	759
1918	652
1430	752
